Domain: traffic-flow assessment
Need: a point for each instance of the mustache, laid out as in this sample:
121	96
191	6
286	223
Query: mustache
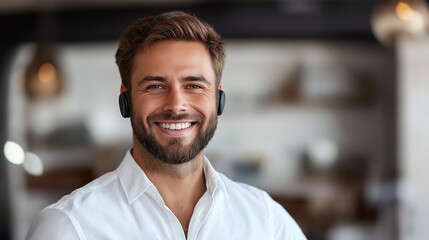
174	117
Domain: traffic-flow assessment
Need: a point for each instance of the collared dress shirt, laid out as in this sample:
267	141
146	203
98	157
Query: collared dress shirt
124	204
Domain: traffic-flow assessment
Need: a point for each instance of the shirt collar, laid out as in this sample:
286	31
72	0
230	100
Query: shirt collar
213	181
133	179
135	182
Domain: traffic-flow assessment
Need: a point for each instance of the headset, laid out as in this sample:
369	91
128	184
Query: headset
125	107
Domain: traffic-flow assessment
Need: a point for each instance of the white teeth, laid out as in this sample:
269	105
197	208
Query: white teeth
175	126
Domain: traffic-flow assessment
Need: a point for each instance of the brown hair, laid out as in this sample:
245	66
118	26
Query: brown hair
143	32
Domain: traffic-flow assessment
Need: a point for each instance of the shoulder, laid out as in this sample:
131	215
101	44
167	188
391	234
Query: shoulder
89	196
243	197
259	205
41	228
62	218
236	189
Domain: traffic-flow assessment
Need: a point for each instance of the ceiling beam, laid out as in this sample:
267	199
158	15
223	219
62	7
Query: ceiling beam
325	19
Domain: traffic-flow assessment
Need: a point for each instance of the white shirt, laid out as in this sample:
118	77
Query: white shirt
124	204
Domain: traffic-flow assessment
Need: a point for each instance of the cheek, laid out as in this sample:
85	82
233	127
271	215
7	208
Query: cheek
205	105
144	108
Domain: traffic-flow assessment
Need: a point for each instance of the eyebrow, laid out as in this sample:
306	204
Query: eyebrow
197	79
151	79
185	79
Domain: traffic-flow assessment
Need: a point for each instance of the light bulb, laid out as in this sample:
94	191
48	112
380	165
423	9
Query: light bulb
13	152
394	18
33	164
43	78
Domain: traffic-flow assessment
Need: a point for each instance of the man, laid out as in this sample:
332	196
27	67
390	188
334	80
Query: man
165	188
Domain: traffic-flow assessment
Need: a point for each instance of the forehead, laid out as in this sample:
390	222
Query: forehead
172	58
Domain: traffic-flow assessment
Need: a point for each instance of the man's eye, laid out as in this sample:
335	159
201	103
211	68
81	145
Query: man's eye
154	87
193	86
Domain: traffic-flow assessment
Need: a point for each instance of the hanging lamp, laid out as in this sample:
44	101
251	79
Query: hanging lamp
393	18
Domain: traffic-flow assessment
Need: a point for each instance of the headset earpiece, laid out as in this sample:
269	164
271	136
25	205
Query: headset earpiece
124	104
221	98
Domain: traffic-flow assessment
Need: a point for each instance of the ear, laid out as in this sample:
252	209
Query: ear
123	88
220	87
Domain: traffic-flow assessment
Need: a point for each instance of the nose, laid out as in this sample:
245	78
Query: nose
175	101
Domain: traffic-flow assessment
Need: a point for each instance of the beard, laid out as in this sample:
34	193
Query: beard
175	152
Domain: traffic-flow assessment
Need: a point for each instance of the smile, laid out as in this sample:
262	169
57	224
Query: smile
175	126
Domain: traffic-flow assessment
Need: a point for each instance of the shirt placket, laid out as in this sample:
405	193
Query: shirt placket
176	228
199	216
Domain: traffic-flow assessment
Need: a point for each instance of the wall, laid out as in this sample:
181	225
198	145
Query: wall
413	91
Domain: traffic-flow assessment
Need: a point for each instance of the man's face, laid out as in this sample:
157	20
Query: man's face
173	100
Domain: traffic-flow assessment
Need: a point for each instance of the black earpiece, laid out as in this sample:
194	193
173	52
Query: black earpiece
221	98
125	106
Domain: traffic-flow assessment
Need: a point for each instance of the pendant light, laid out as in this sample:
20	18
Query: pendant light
43	78
393	18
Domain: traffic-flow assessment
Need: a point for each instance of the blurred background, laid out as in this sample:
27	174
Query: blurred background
327	107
